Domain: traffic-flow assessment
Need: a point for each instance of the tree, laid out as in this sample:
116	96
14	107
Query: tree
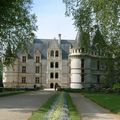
105	14
17	26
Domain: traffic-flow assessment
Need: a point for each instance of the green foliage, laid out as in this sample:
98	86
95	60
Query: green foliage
105	16
88	13
39	115
17	25
109	101
116	86
73	111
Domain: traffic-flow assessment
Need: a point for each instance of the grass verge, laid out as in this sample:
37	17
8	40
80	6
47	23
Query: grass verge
109	101
72	109
38	115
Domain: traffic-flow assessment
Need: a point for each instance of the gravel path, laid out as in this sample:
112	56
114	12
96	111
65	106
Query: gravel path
20	107
90	110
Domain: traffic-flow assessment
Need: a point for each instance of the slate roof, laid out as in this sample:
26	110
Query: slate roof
43	44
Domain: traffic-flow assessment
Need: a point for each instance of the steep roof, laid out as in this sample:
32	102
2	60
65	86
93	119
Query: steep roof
43	44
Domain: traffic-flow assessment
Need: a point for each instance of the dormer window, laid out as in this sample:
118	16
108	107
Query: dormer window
52	53
37	59
56	53
23	59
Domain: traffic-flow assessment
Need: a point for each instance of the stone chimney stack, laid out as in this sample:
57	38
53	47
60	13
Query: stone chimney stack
59	38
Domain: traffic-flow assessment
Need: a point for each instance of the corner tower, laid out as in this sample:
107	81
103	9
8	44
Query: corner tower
77	53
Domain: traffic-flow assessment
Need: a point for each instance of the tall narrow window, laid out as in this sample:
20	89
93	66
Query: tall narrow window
37	80
52	65
37	70
82	77
23	59
37	59
82	63
56	65
51	75
98	65
56	53
52	53
56	75
98	79
23	69
82	49
23	79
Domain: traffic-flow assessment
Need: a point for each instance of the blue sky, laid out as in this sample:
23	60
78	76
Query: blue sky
51	20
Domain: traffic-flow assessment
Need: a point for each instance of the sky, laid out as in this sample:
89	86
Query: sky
51	20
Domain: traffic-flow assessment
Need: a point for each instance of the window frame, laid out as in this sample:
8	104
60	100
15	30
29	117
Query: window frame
37	69
24	58
52	53
23	80
51	75
23	69
56	64
56	53
37	80
56	75
37	59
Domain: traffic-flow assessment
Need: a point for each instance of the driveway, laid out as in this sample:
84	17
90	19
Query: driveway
20	107
90	110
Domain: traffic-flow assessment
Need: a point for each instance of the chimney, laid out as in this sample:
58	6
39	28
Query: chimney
59	38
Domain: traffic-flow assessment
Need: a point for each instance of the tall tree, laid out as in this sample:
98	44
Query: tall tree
17	26
103	13
106	15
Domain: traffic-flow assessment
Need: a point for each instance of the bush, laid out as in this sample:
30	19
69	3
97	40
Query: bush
116	87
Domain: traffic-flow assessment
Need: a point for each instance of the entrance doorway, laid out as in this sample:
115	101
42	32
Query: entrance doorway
51	85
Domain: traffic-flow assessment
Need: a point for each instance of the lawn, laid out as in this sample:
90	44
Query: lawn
109	101
39	115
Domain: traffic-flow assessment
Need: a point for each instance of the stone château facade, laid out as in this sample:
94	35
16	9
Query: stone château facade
58	61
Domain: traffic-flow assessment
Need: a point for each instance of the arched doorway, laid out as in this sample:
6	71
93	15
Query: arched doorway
51	85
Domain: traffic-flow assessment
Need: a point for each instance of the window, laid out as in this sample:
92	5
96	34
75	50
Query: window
56	75
23	59
23	69
82	71
56	53
37	80
98	79
56	65
82	49
51	75
37	59
52	53
23	79
82	77
82	63
98	65
51	65
37	70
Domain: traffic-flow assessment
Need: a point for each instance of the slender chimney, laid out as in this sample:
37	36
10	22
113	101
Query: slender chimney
59	38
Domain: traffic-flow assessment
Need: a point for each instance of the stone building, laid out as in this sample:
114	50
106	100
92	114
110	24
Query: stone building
55	61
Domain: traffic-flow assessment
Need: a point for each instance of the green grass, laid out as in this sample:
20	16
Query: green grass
72	109
109	101
38	115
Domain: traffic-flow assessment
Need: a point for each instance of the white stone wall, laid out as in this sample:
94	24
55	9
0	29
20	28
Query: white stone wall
76	73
